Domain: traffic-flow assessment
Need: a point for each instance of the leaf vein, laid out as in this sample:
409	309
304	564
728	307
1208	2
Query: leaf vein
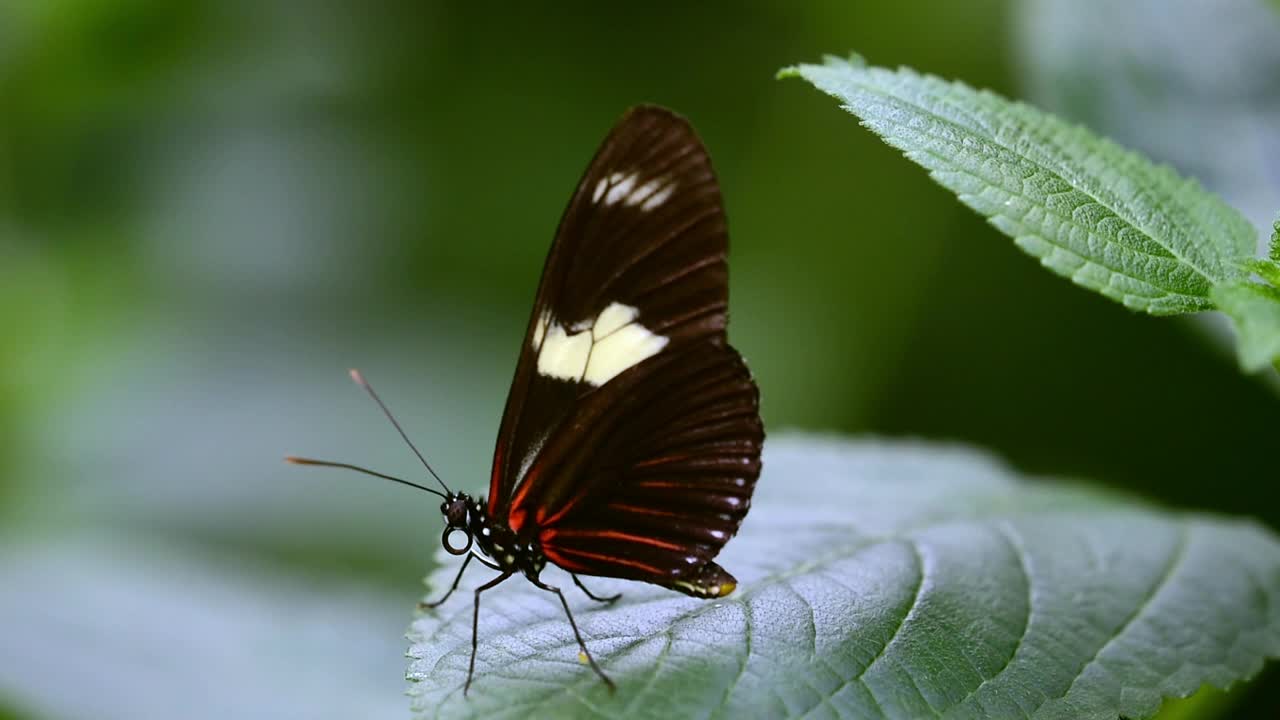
915	603
745	604
653	676
1007	533
1175	561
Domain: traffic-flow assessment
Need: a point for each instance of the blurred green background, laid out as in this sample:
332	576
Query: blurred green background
210	210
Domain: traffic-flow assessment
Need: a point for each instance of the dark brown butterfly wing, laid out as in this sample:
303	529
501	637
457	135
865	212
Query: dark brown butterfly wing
652	474
637	269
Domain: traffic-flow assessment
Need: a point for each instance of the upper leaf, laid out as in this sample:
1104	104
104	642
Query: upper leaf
887	581
1092	211
1254	309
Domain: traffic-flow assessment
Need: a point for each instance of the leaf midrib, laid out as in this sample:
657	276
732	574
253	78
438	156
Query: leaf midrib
1113	272
902	103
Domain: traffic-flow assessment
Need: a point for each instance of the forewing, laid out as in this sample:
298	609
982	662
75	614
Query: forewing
637	269
652	474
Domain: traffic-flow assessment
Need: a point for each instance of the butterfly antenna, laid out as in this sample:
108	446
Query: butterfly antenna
366	471
359	380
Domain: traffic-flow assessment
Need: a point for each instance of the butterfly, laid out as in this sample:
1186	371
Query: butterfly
631	439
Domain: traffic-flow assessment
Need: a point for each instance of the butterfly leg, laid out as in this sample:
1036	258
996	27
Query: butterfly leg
454	586
475	628
577	634
456	580
610	599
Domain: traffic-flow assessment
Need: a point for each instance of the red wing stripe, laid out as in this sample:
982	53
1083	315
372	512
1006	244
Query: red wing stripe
495	478
515	518
548	538
543	520
662	460
663	485
557	556
564	562
623	507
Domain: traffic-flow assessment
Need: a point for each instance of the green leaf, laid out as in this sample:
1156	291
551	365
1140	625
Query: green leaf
1254	309
1107	218
887	580
1275	242
1269	269
1207	704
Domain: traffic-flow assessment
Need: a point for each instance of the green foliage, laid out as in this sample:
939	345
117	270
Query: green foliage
209	210
1208	704
1275	245
1255	310
1105	217
889	581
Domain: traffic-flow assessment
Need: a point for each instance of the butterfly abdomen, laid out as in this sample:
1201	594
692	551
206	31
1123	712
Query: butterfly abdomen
710	581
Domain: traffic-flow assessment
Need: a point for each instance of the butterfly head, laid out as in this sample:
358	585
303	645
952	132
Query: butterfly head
454	509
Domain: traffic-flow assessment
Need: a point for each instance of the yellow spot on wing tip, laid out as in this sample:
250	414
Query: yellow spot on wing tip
707	591
582	657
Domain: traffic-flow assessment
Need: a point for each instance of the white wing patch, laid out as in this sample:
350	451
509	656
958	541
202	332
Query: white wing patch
658	197
620	188
626	188
619	350
599	352
613	317
564	356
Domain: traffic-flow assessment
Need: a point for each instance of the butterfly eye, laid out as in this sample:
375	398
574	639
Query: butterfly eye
444	508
